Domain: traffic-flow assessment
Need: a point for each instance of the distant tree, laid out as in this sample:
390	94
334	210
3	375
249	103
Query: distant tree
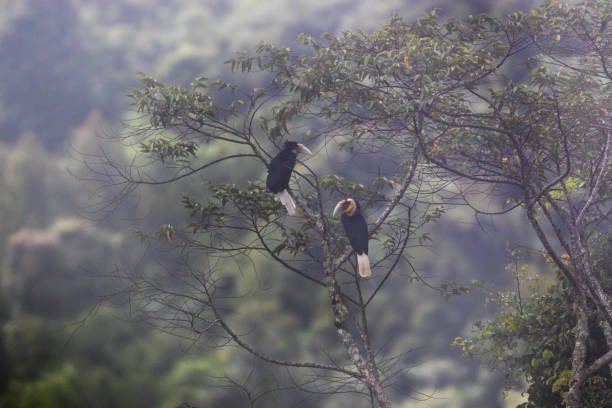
431	103
233	225
43	269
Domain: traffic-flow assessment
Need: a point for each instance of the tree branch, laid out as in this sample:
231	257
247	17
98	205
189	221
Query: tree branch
595	189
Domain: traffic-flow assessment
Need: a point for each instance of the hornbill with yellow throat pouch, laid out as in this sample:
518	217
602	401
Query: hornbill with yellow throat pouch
279	172
356	230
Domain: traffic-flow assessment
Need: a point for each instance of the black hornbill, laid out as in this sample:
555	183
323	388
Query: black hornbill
356	230
279	172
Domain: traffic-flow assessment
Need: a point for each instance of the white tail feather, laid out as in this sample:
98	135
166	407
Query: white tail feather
363	264
287	201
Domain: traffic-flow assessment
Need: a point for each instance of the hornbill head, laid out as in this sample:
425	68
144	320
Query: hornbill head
349	206
296	147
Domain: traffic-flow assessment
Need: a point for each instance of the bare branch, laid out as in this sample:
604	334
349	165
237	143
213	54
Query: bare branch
596	187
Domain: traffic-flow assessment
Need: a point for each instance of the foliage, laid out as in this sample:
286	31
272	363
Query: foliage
532	338
37	257
53	363
59	388
55	350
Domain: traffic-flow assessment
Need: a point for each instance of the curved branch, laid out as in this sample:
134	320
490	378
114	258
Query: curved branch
176	178
399	256
266	358
293	269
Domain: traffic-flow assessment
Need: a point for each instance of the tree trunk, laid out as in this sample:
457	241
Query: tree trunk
341	311
574	397
607	330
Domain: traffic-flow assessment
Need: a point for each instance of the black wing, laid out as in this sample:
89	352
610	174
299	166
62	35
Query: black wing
279	173
273	175
357	232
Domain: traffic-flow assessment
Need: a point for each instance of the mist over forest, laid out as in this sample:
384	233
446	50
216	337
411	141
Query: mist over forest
129	279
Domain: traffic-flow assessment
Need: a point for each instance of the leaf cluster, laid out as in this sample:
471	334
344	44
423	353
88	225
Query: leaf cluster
532	338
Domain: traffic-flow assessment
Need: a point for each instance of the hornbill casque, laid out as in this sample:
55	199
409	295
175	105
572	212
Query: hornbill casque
279	172
356	230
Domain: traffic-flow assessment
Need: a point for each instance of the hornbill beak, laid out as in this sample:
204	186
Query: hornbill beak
338	207
303	149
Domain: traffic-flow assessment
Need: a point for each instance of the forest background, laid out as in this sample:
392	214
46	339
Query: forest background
66	67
